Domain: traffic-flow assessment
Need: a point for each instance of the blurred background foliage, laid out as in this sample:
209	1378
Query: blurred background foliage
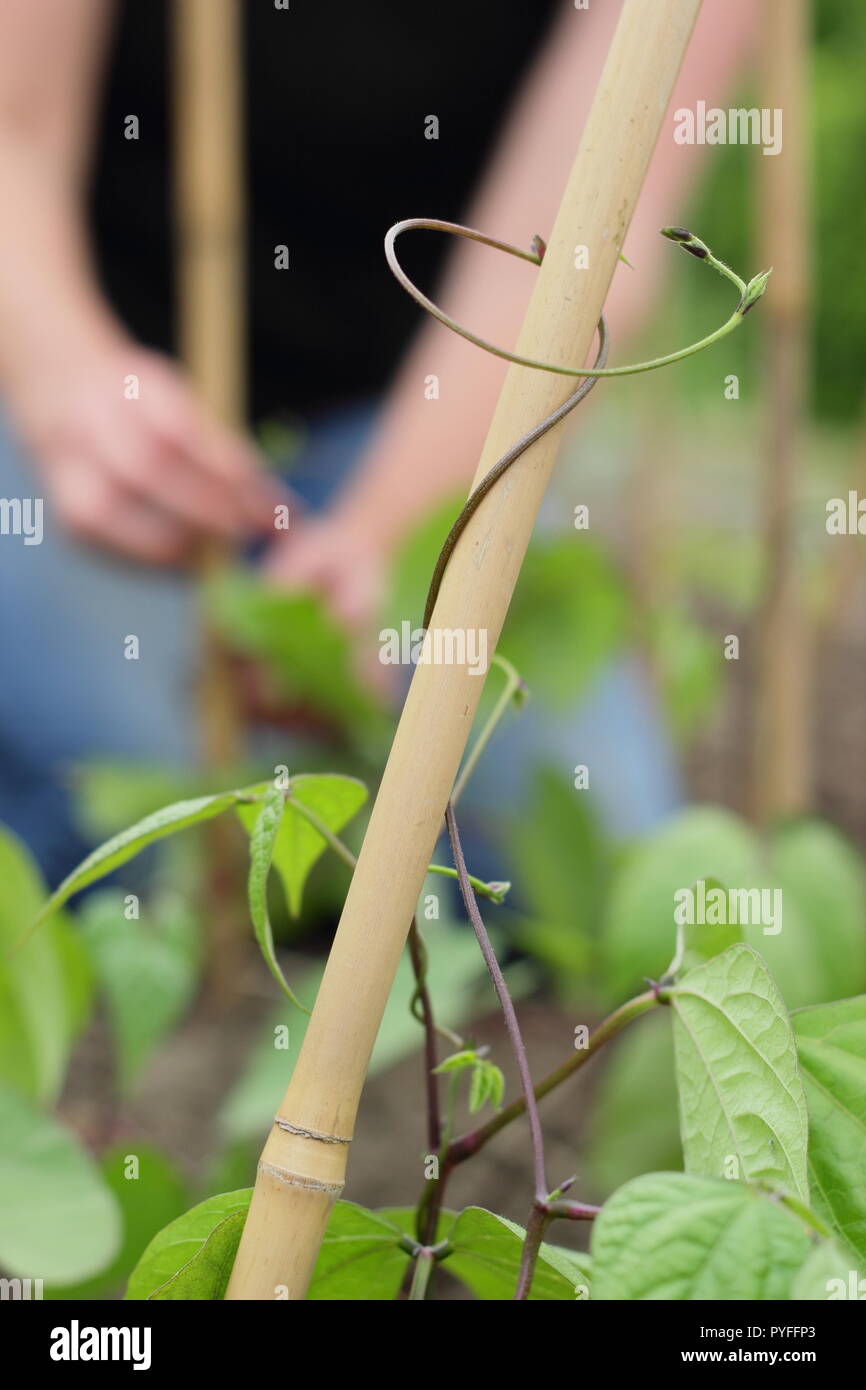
726	202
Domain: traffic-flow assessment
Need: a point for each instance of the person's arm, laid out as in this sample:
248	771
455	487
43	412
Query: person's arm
425	450
147	477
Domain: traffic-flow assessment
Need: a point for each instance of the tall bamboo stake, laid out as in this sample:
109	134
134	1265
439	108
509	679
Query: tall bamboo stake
781	776
209	214
303	1163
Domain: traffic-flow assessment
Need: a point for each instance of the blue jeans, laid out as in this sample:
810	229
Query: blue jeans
67	693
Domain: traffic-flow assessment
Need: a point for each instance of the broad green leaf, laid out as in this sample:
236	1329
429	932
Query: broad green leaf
698	942
149	1193
146	968
820	953
360	1258
828	1275
635	1125
831	1039
263	839
820	950
329	798
205	1277
742	1104
58	1219
702	842
556	845
816	948
486	1257
675	1236
181	1241
43	991
133	840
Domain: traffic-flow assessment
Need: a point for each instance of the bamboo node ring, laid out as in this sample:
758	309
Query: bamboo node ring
309	1133
285	1175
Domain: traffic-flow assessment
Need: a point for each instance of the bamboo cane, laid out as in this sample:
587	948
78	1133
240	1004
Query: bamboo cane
209	231
303	1163
209	216
781	774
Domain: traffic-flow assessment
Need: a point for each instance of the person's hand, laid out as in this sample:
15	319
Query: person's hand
133	461
337	557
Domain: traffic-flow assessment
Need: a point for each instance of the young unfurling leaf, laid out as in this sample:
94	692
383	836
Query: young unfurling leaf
262	842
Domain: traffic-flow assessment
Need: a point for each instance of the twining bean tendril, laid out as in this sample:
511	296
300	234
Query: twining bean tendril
749	295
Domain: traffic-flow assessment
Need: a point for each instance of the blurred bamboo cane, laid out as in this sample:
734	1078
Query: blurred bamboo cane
209	213
210	248
781	775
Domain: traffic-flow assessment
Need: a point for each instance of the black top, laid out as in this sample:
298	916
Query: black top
337	92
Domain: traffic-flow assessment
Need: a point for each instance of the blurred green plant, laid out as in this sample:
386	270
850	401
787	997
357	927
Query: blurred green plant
306	651
837	113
